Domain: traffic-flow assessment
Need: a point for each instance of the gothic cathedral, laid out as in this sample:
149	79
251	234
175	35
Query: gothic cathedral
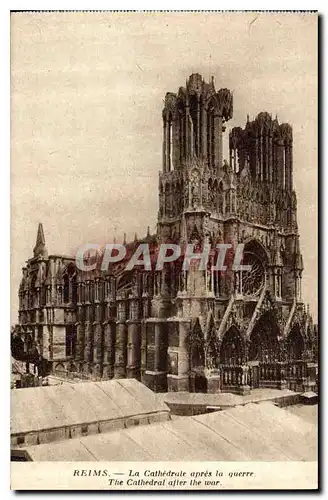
196	331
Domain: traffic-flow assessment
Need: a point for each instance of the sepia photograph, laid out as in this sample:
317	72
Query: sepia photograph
164	250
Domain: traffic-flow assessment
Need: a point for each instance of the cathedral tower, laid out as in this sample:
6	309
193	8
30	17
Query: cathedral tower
215	318
193	126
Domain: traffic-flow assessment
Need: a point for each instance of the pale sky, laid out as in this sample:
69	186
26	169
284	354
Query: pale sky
87	96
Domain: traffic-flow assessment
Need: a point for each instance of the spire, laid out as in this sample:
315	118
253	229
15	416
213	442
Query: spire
40	249
298	256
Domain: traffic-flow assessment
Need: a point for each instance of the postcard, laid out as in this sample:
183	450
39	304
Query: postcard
164	327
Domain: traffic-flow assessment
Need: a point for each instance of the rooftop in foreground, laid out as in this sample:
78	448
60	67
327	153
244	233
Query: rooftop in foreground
65	411
254	432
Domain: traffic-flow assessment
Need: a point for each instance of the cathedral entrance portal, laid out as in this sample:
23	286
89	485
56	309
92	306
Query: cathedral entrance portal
296	365
264	353
231	361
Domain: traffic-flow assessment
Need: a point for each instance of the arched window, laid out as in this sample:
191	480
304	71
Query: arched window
195	129
284	167
182	132
171	162
66	288
167	199
74	289
33	297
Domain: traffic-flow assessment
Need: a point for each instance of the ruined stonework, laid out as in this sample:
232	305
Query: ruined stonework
178	330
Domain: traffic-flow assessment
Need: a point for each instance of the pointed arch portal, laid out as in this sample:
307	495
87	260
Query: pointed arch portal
264	346
265	354
295	344
231	360
296	367
231	351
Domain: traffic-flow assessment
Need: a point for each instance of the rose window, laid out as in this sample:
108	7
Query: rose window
252	280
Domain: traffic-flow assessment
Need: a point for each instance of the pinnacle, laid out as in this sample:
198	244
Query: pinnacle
40	245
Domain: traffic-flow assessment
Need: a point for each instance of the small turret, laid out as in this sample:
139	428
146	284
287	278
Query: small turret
40	249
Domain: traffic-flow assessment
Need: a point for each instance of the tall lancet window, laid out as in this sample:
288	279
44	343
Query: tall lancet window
181	129
181	136
283	167
74	289
265	157
66	288
287	168
210	137
171	144
220	199
194	114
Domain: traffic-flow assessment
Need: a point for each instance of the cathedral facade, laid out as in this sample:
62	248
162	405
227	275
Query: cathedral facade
178	330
